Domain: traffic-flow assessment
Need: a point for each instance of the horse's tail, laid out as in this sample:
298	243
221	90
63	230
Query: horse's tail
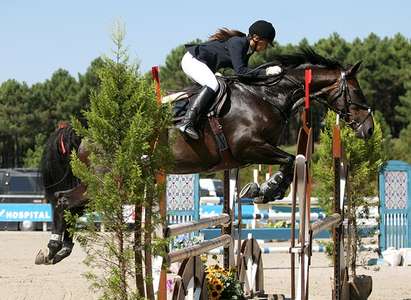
55	163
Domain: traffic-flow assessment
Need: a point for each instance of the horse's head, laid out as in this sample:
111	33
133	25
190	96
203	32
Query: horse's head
346	98
333	85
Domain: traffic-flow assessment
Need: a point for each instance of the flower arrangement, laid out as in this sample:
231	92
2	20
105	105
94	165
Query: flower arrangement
223	284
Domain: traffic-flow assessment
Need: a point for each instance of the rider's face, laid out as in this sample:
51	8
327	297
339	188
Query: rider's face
260	44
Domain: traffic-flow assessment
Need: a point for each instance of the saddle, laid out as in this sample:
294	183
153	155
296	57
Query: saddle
181	99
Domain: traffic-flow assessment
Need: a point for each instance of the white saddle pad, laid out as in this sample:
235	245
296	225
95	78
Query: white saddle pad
173	97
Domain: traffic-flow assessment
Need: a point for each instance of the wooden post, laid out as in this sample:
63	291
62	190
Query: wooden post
307	110
337	231
227	210
239	221
161	179
302	190
293	220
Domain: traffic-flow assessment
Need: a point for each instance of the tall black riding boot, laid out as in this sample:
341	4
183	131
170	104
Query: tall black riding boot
195	109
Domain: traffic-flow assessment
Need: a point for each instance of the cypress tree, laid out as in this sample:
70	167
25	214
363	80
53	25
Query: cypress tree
124	127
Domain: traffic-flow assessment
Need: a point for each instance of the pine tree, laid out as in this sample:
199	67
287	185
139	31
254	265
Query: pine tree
124	127
404	109
364	158
401	147
32	158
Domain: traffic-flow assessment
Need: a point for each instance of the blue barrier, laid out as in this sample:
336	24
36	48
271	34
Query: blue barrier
395	205
215	210
249	209
267	234
248	212
25	212
279	234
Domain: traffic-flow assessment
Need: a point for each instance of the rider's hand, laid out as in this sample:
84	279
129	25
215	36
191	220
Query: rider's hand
274	70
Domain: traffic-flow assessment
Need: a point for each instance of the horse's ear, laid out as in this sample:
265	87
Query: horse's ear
353	69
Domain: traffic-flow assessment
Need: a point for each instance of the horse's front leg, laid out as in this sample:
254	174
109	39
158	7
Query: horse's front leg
276	186
68	244
56	239
55	242
65	248
60	243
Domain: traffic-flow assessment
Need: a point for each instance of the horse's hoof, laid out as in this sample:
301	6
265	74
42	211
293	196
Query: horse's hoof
42	257
250	190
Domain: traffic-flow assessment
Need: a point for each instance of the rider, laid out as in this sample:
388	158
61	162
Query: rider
225	48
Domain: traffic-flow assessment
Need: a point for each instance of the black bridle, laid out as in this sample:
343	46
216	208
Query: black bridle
326	96
334	95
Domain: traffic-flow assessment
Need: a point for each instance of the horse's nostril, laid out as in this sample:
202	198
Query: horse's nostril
370	131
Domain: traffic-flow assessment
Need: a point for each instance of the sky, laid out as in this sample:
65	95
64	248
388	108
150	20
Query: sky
40	36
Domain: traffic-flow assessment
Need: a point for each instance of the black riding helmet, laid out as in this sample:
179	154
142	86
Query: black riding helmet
263	29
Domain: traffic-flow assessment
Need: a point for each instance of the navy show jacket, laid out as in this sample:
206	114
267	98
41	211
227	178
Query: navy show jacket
232	53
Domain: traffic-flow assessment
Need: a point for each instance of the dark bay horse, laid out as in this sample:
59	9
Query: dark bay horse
252	120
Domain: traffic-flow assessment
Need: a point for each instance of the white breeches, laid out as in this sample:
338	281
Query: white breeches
198	71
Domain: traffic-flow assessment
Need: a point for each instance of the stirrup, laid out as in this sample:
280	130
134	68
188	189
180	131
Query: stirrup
188	130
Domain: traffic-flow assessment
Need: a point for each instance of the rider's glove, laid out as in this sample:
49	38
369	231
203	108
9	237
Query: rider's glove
274	70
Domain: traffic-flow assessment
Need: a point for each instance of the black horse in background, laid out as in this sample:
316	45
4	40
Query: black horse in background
251	121
58	177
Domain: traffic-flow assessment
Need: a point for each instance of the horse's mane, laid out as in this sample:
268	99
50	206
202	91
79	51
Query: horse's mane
306	56
55	165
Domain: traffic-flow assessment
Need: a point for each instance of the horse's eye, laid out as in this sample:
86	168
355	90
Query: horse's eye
357	94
